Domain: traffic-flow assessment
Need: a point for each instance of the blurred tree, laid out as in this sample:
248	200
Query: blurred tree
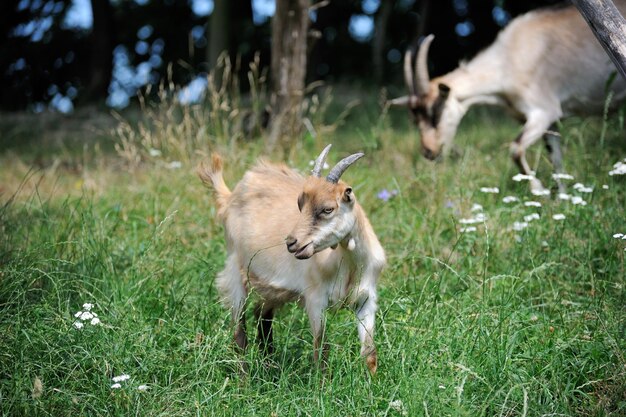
101	65
218	31
290	26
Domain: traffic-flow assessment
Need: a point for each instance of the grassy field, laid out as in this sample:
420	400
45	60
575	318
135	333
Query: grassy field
495	322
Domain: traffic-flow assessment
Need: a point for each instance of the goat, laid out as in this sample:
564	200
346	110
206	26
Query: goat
544	65
337	257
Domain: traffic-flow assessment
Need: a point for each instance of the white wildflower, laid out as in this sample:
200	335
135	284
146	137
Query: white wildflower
78	325
154	152
442	386
605	187
95	321
517	226
619	169
478	218
532	204
175	165
618	235
558	216
489	190
509	199
564	196
586	190
398	406
577	201
87	306
78	313
468	229
543	192
143	387
521	177
578	185
561	176
477	207
86	315
121	378
116	386
531	217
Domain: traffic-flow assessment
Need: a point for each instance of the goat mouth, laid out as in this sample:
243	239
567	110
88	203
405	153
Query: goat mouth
305	252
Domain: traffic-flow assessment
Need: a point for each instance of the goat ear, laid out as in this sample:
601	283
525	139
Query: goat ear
300	202
347	195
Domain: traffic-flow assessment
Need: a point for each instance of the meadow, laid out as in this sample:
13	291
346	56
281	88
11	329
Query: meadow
522	316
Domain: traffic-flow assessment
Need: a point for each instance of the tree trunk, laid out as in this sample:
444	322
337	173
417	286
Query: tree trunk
380	37
218	32
289	43
609	26
101	61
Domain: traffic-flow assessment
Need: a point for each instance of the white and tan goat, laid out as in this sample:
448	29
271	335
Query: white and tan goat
544	65
332	255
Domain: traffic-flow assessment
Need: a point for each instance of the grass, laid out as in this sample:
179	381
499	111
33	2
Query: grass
490	323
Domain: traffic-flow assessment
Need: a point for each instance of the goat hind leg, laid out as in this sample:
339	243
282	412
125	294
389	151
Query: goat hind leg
231	287
552	139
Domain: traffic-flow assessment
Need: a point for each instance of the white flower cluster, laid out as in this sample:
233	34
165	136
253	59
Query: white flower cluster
558	216
398	406
510	199
86	316
529	218
489	190
581	188
522	177
540	193
125	377
561	176
532	204
517	226
174	165
478	218
621	236
468	229
619	168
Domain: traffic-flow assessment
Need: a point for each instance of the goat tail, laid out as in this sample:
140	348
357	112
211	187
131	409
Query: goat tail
211	176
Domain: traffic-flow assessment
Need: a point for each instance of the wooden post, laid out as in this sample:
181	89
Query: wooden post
609	26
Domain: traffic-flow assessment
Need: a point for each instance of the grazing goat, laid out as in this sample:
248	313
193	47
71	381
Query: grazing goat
544	65
337	257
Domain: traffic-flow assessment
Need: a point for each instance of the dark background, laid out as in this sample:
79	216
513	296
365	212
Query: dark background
50	59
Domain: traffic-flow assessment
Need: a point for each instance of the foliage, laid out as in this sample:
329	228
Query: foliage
495	322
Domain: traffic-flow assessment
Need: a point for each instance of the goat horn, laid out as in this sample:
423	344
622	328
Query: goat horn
400	101
408	72
319	162
340	168
422	79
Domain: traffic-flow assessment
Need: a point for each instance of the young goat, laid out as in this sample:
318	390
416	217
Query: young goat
337	257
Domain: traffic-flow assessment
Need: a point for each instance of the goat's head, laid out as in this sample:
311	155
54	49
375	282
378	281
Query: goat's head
434	110
326	210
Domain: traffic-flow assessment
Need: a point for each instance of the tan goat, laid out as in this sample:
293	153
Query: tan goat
332	255
544	65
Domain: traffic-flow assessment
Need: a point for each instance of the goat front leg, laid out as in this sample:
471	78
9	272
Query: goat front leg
536	125
315	306
365	308
552	139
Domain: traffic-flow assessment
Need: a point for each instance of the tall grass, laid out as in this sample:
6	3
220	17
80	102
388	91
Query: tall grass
493	322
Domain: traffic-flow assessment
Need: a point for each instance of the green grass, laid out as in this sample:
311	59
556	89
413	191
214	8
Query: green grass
490	323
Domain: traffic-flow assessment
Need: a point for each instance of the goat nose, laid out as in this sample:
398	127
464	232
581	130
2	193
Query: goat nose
291	241
429	154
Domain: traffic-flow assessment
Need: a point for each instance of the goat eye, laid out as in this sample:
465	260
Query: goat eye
328	210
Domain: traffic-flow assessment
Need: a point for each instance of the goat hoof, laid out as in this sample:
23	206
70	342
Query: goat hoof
372	362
